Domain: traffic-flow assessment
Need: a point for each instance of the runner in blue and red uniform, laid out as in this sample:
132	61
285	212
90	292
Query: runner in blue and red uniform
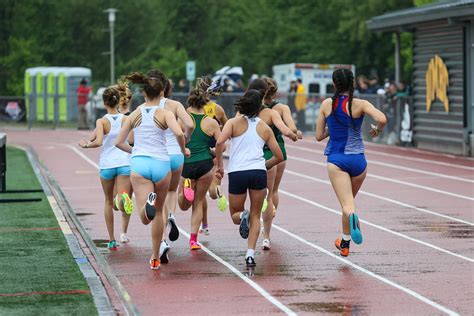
347	166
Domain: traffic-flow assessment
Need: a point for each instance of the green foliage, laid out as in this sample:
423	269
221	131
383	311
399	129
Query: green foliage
255	34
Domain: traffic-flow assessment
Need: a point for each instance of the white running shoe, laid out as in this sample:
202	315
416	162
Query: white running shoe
205	231
124	238
266	244
164	248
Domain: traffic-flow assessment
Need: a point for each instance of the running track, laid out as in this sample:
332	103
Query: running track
417	258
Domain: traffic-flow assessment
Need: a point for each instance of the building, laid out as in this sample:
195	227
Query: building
443	71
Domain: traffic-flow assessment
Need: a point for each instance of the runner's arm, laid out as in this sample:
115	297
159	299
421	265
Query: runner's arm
99	136
174	126
220	147
120	142
378	117
186	119
285	130
321	130
221	116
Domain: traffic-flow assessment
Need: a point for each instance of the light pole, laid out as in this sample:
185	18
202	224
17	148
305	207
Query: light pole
111	13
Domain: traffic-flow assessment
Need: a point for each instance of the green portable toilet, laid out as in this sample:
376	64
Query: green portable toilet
43	85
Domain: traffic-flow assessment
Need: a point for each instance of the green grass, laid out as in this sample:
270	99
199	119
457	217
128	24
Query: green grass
35	261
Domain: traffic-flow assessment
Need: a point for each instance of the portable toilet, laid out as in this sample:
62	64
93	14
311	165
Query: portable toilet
45	84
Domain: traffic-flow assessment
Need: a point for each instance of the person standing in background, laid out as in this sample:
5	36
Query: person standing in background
300	104
83	92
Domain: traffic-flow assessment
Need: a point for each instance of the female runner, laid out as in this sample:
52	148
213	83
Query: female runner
247	166
176	163
198	170
278	126
150	164
114	165
214	111
347	166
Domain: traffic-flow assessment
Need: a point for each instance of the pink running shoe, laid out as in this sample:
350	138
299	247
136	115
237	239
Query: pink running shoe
188	191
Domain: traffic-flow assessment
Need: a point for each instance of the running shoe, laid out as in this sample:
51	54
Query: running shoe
188	191
194	245
250	262
164	248
266	244
343	247
174	231
154	264
204	230
356	234
222	203
124	238
112	245
265	204
127	203
150	210
244	224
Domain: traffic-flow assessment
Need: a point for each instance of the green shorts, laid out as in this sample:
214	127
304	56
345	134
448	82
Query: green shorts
267	153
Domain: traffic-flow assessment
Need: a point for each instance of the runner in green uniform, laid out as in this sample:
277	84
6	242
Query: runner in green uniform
198	169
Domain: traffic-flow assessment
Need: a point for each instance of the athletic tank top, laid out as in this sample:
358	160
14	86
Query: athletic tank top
199	143
111	156
246	150
172	145
345	135
150	140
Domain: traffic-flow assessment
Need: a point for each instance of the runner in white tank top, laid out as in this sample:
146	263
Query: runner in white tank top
150	163
176	165
114	166
247	166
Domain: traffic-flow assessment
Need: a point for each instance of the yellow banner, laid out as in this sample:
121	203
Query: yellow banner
437	83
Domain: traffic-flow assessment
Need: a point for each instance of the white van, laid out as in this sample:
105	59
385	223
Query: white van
316	78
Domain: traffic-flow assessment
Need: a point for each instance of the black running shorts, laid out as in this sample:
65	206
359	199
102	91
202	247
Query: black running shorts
241	181
195	170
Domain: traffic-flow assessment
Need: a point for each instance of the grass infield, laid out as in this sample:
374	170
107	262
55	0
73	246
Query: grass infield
37	271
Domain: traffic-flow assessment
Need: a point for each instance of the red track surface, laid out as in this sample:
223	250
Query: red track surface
417	256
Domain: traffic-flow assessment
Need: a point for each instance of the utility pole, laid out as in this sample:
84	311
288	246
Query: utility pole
111	13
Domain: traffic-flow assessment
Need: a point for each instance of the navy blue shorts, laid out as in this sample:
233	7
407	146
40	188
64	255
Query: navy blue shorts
353	164
241	181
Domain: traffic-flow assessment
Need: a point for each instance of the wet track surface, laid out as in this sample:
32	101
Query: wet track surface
417	257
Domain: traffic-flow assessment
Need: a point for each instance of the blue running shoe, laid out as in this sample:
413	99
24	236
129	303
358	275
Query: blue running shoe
245	224
356	234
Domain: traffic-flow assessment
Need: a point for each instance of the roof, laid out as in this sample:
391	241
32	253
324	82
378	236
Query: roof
445	9
67	71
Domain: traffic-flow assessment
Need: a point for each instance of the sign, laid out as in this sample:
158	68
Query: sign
437	83
190	70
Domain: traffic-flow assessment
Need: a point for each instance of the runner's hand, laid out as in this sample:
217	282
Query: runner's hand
83	143
299	134
187	153
374	132
220	173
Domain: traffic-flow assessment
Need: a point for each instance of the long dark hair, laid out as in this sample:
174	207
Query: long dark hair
153	83
250	104
343	79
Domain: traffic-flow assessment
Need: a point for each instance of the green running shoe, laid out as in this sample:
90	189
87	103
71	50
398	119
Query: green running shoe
222	203
127	203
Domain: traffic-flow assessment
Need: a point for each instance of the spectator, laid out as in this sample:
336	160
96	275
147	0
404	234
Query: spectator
293	86
183	86
239	86
373	85
83	93
402	90
300	104
362	84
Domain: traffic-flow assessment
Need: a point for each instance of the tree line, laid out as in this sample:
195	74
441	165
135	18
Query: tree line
164	34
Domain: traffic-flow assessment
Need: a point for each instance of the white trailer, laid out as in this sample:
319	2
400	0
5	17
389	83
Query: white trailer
316	78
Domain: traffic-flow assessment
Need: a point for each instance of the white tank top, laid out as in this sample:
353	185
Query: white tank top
246	150
149	140
172	145
111	156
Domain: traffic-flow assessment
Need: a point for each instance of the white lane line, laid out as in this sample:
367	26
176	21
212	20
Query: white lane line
370	273
253	284
244	278
370	175
378	226
434	174
426	161
386	199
